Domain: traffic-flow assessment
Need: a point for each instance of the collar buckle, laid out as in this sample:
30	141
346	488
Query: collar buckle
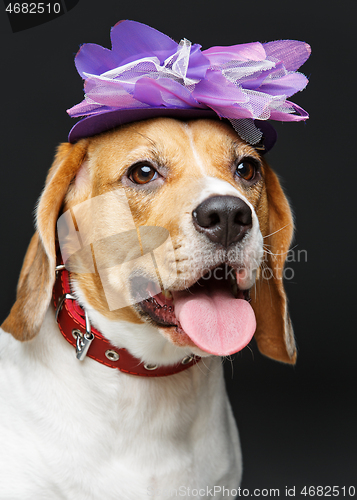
83	342
76	328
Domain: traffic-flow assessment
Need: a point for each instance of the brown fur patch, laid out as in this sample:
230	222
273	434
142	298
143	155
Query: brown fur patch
274	334
37	276
174	148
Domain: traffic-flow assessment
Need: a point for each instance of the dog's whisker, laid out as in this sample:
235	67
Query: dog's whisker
268	251
230	360
251	351
152	142
208	368
277	253
277	231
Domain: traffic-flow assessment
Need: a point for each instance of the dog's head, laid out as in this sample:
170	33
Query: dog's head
203	222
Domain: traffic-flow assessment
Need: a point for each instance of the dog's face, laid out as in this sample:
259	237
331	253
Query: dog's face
197	185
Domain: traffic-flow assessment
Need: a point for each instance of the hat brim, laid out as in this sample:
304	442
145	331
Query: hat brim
96	124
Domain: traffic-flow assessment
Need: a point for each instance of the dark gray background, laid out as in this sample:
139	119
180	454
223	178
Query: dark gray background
297	424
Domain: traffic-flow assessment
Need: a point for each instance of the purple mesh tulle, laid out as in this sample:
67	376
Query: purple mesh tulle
146	69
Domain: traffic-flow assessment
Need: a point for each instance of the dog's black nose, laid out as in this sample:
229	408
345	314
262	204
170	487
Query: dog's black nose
223	219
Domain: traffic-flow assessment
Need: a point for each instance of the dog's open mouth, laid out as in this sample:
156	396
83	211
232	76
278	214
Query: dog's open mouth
213	312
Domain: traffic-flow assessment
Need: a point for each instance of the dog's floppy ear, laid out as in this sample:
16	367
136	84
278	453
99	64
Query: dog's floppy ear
37	276
274	333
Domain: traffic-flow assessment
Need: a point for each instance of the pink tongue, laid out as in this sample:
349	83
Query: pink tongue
215	321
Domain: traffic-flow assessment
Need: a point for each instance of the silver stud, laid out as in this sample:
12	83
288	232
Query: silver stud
112	355
187	360
148	366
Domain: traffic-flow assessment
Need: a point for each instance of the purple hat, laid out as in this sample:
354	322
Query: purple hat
147	74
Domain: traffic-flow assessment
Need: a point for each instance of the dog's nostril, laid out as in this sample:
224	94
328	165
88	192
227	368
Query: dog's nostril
206	218
210	220
224	219
214	220
243	217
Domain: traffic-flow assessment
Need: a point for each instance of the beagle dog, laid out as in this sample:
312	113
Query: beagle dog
82	430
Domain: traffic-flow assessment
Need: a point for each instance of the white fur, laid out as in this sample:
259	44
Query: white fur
72	430
201	254
199	162
80	430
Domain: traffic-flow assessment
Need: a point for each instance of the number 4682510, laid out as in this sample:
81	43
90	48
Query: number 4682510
33	8
328	491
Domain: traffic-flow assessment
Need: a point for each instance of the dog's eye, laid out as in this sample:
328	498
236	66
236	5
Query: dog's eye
246	170
143	173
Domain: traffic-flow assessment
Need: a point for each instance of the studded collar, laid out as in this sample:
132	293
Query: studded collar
75	327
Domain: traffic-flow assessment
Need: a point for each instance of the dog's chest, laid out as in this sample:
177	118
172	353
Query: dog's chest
91	432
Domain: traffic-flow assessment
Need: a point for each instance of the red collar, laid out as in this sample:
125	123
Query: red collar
75	327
